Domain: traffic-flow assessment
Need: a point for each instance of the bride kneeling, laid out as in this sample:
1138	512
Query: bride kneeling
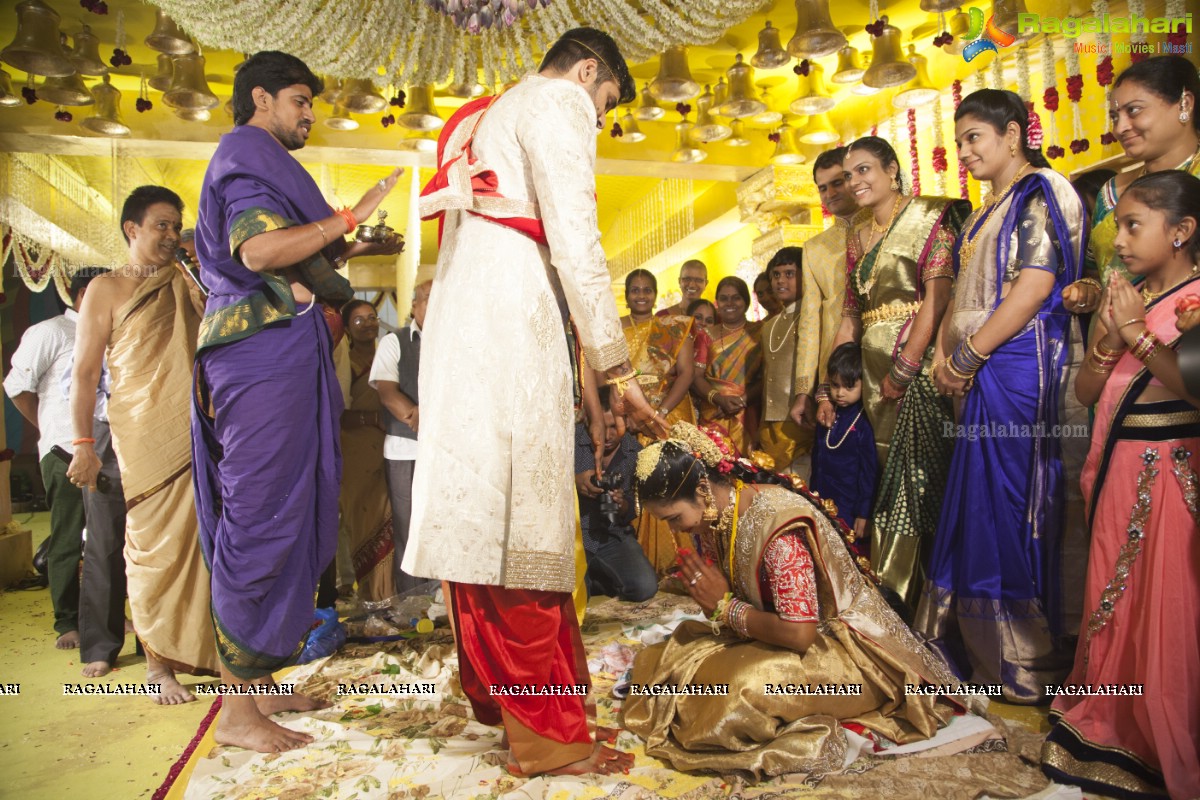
805	644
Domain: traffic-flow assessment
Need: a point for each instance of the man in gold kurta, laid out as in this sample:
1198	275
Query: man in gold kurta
788	444
823	282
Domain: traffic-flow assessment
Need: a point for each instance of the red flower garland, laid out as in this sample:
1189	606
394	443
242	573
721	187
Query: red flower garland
1033	134
956	92
940	164
1050	99
617	131
1104	71
1074	88
1179	38
912	151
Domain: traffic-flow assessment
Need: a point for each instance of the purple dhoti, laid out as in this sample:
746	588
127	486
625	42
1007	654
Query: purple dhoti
267	469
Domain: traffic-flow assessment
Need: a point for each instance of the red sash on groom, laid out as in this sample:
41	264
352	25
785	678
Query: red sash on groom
448	189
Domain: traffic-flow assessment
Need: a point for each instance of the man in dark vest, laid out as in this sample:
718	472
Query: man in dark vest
394	375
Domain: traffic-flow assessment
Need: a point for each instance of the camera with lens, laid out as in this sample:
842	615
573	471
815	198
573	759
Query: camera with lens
610	509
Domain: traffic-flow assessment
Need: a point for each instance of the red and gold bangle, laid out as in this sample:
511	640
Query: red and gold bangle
1146	346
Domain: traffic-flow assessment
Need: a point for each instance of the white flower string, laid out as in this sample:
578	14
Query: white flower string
1137	8
1023	88
978	79
997	72
1050	98
414	44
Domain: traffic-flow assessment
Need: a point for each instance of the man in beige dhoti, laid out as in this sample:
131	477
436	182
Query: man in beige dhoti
147	314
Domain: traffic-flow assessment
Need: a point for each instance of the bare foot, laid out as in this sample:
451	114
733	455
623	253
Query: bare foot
269	704
241	724
68	641
602	761
96	669
170	691
606	735
259	734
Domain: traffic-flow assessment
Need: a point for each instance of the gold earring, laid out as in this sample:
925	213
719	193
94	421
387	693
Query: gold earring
895	185
710	502
1012	149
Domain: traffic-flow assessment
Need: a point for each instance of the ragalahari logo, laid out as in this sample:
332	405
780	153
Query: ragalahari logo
984	37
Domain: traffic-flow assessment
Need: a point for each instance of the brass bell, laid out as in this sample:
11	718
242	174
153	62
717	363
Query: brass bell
816	100
1006	13
168	38
770	52
36	48
162	81
685	152
360	96
193	114
769	118
420	114
818	131
787	151
741	102
720	92
333	88
341	120
418	144
938	6
815	34
7	98
888	68
86	54
630	132
648	109
106	120
707	129
674	83
65	91
189	88
467	90
920	90
738	137
849	66
958	26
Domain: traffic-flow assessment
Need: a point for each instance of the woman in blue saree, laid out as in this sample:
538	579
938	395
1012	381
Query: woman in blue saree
992	601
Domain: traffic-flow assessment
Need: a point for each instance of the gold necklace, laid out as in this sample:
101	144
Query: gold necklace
864	286
771	333
729	521
967	251
1149	297
1187	162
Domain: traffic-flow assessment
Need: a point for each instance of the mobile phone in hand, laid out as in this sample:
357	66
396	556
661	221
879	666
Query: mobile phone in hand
102	482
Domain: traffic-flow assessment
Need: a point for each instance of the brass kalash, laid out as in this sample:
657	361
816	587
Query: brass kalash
379	233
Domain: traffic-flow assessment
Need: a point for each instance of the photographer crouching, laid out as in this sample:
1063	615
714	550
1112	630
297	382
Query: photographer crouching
616	564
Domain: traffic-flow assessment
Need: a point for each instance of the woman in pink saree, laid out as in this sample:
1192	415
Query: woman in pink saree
1134	732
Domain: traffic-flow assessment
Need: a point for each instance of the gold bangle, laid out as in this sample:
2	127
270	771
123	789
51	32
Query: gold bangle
1100	369
321	230
1095	284
1130	322
960	375
621	382
712	393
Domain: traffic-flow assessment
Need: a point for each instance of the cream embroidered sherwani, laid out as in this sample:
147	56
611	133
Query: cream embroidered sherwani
824	293
493	493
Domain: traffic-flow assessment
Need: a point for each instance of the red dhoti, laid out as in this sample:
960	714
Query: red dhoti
520	661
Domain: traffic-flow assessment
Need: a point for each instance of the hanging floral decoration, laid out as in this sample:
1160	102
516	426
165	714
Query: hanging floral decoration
409	42
95	6
62	115
1179	37
803	68
912	151
945	37
1104	69
940	165
773	137
997	72
36	264
1137	38
617	131
398	99
956	93
1079	143
30	94
1050	96
143	103
120	58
